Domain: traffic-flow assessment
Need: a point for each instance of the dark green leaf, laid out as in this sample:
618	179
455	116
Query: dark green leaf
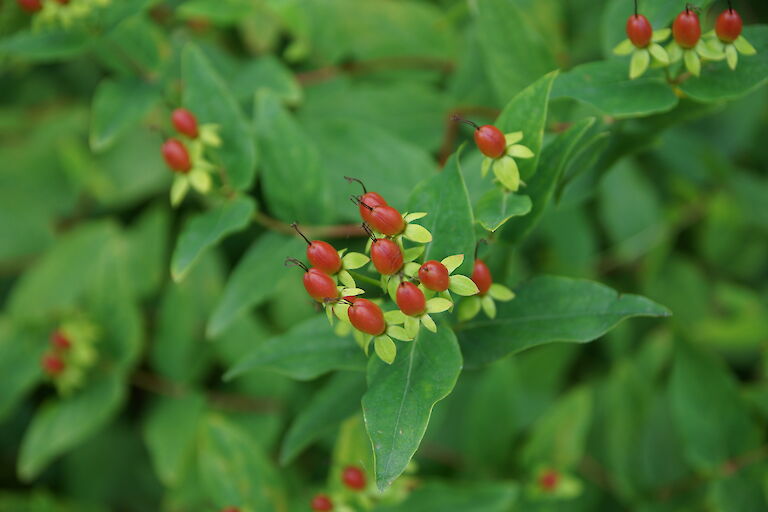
266	73
20	353
117	106
498	206
441	497
400	398
308	350
208	96
204	230
44	45
548	309
148	250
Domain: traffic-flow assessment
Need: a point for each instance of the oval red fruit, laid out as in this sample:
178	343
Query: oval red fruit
639	30
59	340
686	29
434	276
319	285
176	156
323	256
185	122
30	5
353	477
372	199
321	503
367	317
387	220
728	26
387	256
548	480
481	275
52	364
410	299
490	141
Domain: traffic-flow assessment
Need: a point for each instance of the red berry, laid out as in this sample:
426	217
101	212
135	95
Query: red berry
353	477
548	480
367	317
481	276
176	156
434	276
490	141
321	503
52	364
728	26
639	30
321	254
185	122
319	285
30	5
371	199
686	29
59	340
387	256
410	299
385	219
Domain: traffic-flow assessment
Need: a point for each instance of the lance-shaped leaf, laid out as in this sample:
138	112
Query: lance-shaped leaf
497	206
400	398
117	106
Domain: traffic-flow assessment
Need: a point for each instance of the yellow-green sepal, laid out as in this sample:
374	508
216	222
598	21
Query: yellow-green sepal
453	262
501	292
438	305
462	285
417	233
506	171
427	321
489	306
385	348
623	48
469	308
641	58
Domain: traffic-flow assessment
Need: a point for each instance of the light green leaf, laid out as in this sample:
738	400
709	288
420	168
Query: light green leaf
489	306
427	322
624	48
336	401
254	279
462	285
400	398
438	305
417	233
117	107
505	170
549	309
500	292
355	260
205	230
639	63
692	62
450	218
732	56
307	351
659	53
399	333
744	46
469	308
453	262
497	206
208	96
45	45
385	348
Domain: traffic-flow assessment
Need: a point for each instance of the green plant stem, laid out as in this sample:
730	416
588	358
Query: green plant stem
362	277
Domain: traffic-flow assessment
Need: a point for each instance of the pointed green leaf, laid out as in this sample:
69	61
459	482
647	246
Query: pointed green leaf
117	107
442	497
639	63
498	206
385	348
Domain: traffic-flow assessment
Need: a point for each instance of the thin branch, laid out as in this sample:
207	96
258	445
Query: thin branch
452	128
337	231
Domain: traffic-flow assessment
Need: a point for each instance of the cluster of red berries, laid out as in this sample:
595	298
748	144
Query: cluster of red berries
53	363
174	151
353	479
35	5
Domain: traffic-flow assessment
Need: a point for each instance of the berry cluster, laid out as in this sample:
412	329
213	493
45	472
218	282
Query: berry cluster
59	12
725	42
353	479
186	157
419	290
70	354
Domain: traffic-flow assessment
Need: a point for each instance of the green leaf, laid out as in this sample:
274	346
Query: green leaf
292	177
548	309
307	351
540	188
44	45
60	425
205	230
117	106
400	398
20	353
170	429
720	83
606	86
335	402
147	242
219	12
711	418
233	469
449	219
527	113
266	72
514	51
497	206
254	279
741	491
440	497
208	96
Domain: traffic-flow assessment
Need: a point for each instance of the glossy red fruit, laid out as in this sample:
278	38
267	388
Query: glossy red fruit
490	141
728	26
387	256
321	255
185	122
410	299
319	285
52	364
321	503
481	276
30	5
386	220
548	480
367	317
639	30
372	199
59	340
353	477
687	29
434	276
176	156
